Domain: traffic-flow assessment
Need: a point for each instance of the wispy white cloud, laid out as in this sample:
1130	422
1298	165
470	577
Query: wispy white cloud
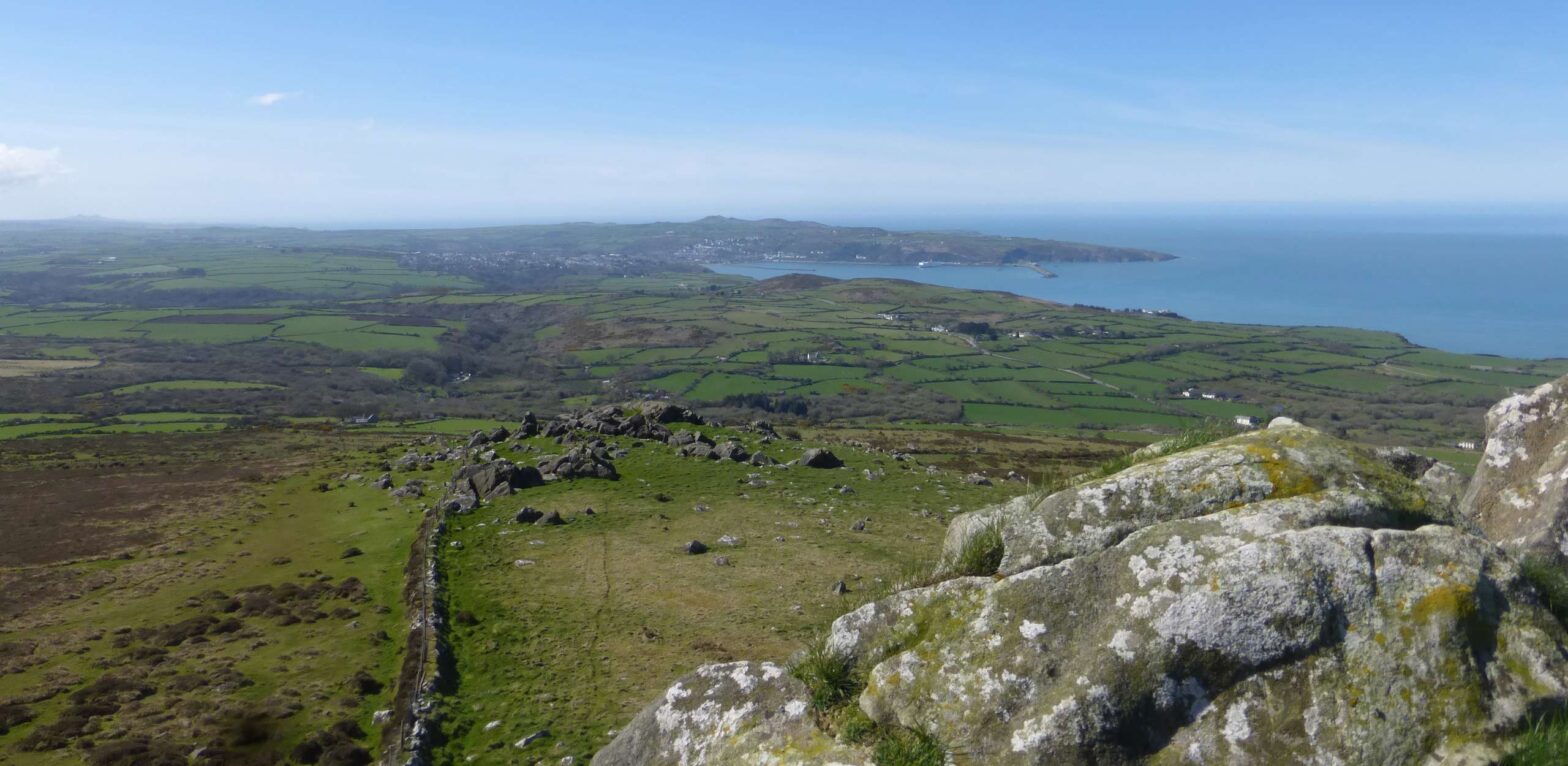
21	165
315	170
273	98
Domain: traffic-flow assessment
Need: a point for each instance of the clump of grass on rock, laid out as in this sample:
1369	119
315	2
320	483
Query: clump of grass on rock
980	556
908	747
829	675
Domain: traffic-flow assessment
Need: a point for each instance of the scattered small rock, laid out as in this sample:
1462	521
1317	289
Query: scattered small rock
695	547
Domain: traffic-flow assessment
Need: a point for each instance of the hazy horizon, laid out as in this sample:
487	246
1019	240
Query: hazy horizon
368	114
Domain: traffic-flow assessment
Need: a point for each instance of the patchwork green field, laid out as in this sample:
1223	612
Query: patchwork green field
349	332
1060	368
788	347
187	266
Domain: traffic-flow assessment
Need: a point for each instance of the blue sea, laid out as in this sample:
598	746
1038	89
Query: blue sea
1492	285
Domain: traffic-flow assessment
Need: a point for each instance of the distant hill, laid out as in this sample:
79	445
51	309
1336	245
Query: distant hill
711	239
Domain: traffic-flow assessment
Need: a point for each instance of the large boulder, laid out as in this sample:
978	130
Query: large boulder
816	457
484	479
1279	596
1519	496
732	450
666	413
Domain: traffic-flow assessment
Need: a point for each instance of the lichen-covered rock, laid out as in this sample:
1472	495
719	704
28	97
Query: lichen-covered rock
1285	460
1234	638
1519	495
741	713
1276	597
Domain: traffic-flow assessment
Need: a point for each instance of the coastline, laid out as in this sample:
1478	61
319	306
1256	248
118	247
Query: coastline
783	266
1288	289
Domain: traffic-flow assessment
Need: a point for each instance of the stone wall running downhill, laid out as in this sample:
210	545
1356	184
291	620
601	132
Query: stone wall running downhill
411	732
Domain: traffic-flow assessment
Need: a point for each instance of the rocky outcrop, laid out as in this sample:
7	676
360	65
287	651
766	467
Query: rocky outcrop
1519	495
1279	596
487	481
646	420
590	461
1285	460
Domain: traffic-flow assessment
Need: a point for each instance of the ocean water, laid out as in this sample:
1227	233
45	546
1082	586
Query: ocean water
1492	286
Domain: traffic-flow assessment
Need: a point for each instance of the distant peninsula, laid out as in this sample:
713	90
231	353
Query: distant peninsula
715	239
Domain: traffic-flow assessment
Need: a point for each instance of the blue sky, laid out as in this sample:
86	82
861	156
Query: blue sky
346	111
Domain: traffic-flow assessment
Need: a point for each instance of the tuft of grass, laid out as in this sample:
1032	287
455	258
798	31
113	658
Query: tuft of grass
853	726
1546	741
908	747
981	554
1545	744
1550	581
829	675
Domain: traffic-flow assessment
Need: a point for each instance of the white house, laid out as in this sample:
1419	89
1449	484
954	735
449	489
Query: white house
1246	421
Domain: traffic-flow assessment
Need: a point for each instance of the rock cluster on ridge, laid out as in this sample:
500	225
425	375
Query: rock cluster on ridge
1279	596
